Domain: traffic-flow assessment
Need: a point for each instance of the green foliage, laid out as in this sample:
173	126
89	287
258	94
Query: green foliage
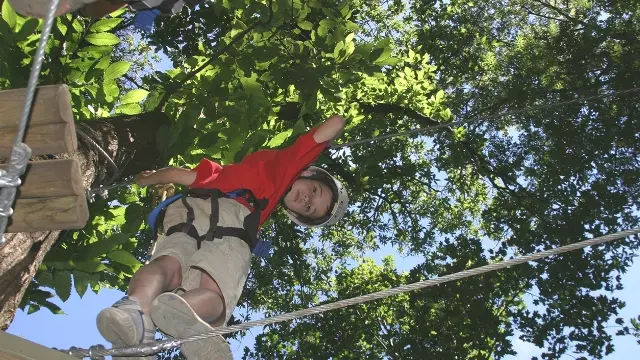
457	198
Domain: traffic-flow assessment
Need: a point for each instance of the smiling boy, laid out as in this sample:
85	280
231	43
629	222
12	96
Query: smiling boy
198	270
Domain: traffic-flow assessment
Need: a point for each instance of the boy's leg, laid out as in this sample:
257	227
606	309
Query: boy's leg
227	261
192	314
101	8
40	8
207	300
160	275
128	322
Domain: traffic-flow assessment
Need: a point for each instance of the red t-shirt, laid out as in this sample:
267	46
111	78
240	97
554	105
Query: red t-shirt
267	173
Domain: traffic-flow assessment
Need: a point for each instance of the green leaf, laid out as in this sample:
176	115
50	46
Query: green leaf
254	89
388	61
55	309
305	25
252	143
105	25
130	198
117	69
103	246
90	50
134	96
129	109
208	140
381	51
328	23
135	215
45	278
28	28
89	265
59	265
102	39
39	295
62	284
298	128
9	15
349	37
81	282
104	62
379	54
153	99
124	257
279	139
336	50
111	89
33	307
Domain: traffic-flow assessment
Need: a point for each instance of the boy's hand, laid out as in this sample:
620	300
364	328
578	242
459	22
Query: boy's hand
144	178
329	129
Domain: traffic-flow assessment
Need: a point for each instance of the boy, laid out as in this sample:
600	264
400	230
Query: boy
205	255
97	8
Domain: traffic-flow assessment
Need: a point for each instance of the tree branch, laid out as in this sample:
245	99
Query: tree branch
531	12
132	80
559	11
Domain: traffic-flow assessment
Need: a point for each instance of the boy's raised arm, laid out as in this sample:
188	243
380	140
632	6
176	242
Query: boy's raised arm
329	129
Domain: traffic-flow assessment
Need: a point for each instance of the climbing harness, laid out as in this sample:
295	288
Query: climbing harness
98	351
144	20
20	153
249	232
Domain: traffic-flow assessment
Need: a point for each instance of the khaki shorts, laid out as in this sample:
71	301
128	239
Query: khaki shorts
226	260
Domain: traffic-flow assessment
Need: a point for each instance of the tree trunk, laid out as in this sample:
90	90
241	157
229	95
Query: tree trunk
131	142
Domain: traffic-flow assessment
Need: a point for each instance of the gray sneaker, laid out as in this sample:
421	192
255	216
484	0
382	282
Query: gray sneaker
173	316
124	324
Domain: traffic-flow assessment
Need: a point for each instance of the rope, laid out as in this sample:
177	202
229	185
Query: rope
484	118
21	152
151	348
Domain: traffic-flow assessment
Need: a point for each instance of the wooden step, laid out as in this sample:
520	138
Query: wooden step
16	348
51	178
50	130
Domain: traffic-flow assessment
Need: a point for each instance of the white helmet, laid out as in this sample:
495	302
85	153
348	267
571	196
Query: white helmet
339	202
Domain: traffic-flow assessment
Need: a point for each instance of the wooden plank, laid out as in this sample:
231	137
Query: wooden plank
51	178
16	348
42	139
51	105
60	213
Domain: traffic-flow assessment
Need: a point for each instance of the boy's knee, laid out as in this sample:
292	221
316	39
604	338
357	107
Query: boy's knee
171	269
207	282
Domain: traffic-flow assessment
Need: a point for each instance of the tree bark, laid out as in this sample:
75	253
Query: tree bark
131	142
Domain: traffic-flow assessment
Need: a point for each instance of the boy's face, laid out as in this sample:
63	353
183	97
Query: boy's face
310	198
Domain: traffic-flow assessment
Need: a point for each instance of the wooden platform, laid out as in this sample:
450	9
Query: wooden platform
16	348
52	195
